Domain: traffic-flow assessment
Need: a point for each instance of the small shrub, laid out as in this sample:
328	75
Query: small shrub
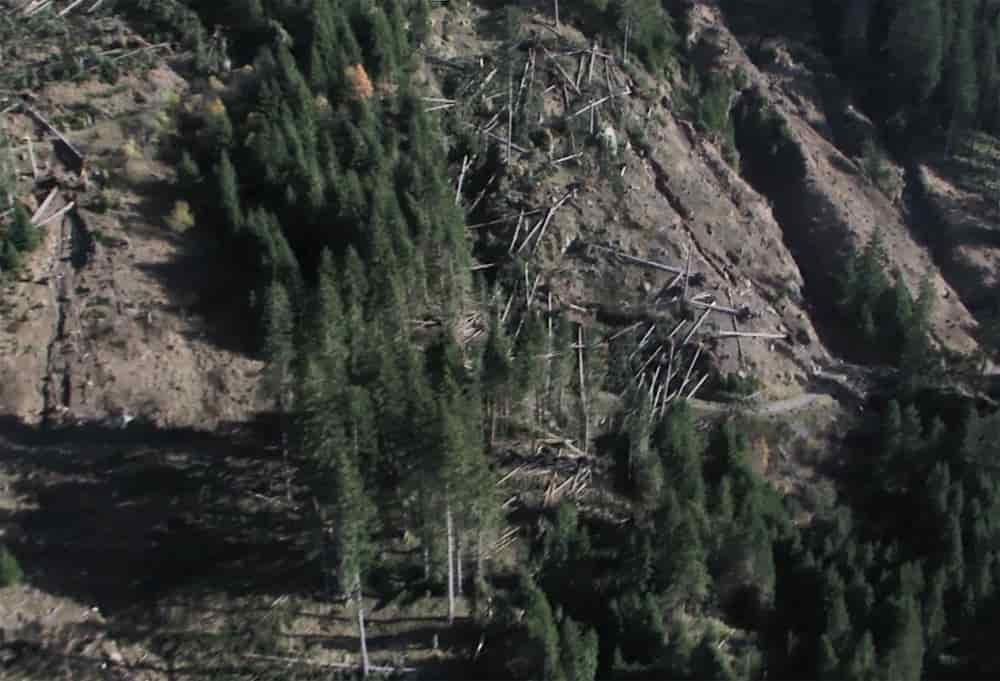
876	166
130	150
105	200
181	218
10	571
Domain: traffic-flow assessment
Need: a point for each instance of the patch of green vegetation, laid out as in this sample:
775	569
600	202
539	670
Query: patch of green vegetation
876	166
10	570
708	102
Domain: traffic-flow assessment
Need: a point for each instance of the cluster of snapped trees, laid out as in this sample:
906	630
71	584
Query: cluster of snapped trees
327	181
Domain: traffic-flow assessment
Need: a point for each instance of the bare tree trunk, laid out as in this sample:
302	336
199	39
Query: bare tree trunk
284	449
451	564
583	389
361	629
557	13
458	565
493	422
479	552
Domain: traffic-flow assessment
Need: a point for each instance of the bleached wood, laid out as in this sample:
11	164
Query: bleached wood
58	214
31	156
583	390
517	232
48	126
736	328
548	217
461	178
697	386
751	334
687	274
69	8
45	205
687	376
640	261
694	329
505	218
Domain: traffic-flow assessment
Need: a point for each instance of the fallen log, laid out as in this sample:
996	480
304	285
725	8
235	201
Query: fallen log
58	214
751	334
640	261
694	329
74	152
45	204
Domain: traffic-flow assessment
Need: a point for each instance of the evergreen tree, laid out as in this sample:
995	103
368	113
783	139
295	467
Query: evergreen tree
829	664
682	448
645	471
863	665
229	192
21	234
542	647
916	47
579	648
962	75
278	376
708	661
904	656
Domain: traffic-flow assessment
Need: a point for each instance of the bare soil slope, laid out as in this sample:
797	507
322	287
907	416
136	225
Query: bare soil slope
103	324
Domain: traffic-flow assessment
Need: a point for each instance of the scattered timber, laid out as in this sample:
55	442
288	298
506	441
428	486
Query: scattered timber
751	334
640	261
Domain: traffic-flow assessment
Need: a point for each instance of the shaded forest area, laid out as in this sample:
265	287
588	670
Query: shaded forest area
394	376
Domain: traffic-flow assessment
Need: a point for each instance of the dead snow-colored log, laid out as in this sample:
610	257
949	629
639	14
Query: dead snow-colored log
583	390
736	328
561	70
670	364
694	329
697	386
482	193
45	205
31	156
517	232
58	214
568	157
687	376
621	333
597	102
509	475
687	275
69	8
461	178
59	136
548	218
640	261
716	307
642	342
649	360
505	218
751	334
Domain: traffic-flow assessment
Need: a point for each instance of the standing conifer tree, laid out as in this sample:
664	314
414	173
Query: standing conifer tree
279	349
916	46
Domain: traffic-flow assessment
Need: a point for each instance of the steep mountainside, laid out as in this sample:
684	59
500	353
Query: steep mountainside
462	327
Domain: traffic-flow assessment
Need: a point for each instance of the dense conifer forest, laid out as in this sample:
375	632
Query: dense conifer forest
394	369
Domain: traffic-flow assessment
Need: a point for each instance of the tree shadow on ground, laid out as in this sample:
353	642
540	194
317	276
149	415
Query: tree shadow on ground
120	517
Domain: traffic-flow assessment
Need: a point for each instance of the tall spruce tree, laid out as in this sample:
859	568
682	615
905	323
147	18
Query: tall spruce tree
279	348
916	47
